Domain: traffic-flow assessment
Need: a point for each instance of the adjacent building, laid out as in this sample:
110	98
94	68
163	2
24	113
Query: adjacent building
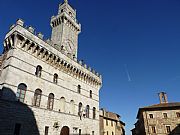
159	119
110	123
44	88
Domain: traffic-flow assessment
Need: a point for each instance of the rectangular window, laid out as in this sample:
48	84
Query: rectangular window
153	129
151	116
168	129
178	114
165	115
46	130
17	129
92	132
112	123
106	122
79	131
107	133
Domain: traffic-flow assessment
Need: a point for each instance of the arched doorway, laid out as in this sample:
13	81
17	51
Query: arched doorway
65	131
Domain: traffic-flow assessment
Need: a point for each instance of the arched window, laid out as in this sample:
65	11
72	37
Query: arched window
55	79
50	101
79	88
62	104
90	94
21	92
80	109
37	97
38	71
72	106
94	113
87	111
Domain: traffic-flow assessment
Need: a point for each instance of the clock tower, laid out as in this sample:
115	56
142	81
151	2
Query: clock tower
65	30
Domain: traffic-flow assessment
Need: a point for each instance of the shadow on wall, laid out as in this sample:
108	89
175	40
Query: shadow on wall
176	131
16	118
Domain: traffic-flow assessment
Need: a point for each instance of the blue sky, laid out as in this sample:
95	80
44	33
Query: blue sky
134	44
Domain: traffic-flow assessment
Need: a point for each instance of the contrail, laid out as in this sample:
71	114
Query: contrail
127	72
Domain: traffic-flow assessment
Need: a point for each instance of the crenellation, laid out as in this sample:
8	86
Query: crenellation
20	22
94	72
80	62
31	29
85	66
89	68
40	35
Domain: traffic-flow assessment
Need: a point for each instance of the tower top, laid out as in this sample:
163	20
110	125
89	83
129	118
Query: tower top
65	1
65	30
163	97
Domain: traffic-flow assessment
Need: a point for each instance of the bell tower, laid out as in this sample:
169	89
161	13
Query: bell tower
65	30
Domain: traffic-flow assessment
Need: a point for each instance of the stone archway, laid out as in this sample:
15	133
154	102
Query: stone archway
65	131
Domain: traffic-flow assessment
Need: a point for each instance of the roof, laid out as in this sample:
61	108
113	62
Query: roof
109	115
162	106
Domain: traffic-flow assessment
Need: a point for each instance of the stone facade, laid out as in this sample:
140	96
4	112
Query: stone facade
110	123
44	88
159	119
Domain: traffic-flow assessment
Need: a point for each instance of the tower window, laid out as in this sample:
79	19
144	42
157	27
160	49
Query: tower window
50	101
94	113
90	93
38	71
70	13
62	47
55	78
79	88
21	92
37	97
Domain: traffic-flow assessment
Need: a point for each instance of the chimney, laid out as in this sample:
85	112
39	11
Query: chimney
163	97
